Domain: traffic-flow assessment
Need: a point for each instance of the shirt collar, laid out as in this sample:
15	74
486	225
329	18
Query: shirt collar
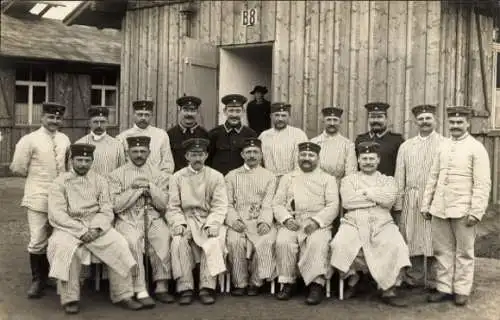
462	137
137	128
247	168
425	138
97	137
184	129
228	129
379	135
47	131
194	171
330	136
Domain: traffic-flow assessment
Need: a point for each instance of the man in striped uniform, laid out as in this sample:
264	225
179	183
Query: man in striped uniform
140	194
338	155
186	129
196	212
161	154
305	205
226	139
109	153
412	169
81	213
368	240
40	157
250	234
280	143
455	198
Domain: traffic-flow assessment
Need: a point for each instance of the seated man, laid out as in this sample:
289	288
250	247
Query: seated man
196	213
305	205
250	235
81	214
139	193
368	240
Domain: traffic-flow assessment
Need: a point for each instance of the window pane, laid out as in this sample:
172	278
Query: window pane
110	96
96	78
22	72
110	78
39	95
38	73
95	97
37	113
22	94
112	116
21	113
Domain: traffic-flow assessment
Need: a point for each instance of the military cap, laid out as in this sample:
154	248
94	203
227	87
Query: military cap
423	108
53	108
368	147
189	102
234	100
196	144
82	150
459	111
309	146
138	141
251	142
332	111
98	112
144	105
260	89
380	107
280	106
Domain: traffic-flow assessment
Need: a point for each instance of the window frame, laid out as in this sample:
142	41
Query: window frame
30	84
103	88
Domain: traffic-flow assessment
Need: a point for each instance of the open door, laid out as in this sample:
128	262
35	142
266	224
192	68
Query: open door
200	78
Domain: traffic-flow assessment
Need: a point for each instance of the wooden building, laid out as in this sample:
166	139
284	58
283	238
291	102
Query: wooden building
46	60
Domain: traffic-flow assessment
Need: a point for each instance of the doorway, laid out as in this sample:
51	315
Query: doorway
241	68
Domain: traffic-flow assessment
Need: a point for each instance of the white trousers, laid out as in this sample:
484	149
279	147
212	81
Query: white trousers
38	223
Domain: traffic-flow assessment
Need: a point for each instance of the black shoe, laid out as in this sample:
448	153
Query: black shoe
253	291
350	292
461	300
316	294
186	297
286	293
207	296
438	296
165	297
71	307
147	303
35	290
239	292
130	304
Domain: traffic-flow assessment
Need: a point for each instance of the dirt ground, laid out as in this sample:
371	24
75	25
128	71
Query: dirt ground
14	279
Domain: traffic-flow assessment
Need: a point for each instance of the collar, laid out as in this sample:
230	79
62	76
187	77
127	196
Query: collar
379	135
97	137
462	137
184	129
47	131
425	138
228	129
194	171
248	169
137	128
330	136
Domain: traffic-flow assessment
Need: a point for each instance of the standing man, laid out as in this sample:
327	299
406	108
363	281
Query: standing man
139	192
389	142
81	213
259	110
280	143
226	139
186	129
108	154
40	157
161	154
413	165
455	198
250	235
338	155
196	212
305	205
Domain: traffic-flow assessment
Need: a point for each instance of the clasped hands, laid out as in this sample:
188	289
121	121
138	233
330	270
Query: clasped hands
141	183
471	220
309	226
91	235
180	230
262	228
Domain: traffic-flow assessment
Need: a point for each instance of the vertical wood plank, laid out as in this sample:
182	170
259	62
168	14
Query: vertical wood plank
432	67
239	31
174	65
227	22
462	58
204	14
215	22
152	60
362	82
134	61
353	99
450	60
163	41
296	45
125	73
377	90
281	55
253	33
268	24
143	53
311	63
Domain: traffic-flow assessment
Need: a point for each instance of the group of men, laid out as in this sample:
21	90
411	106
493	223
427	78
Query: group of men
261	207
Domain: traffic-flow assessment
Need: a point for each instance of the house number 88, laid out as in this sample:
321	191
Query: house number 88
249	17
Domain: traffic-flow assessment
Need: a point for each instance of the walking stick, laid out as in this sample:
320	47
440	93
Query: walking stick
147	203
425	271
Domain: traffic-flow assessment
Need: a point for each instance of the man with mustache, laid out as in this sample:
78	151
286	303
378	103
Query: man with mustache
139	191
280	143
161	154
40	157
305	205
250	235
108	154
413	164
259	110
196	212
368	240
389	142
226	139
81	213
455	198
187	128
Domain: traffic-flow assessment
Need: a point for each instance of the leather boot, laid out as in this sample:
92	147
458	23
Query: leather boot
315	295
35	291
286	293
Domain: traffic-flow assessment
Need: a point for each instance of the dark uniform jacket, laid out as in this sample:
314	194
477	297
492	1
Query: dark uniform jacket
389	146
225	147
259	115
178	135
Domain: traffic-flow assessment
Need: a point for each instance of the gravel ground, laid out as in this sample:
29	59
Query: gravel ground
14	279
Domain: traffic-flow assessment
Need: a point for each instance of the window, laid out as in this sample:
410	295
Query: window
105	93
31	92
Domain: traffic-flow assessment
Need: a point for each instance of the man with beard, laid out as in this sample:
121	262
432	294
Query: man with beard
305	205
389	142
161	154
413	164
196	212
109	153
338	155
280	143
226	139
455	198
250	235
368	240
40	157
139	192
259	110
186	129
82	216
